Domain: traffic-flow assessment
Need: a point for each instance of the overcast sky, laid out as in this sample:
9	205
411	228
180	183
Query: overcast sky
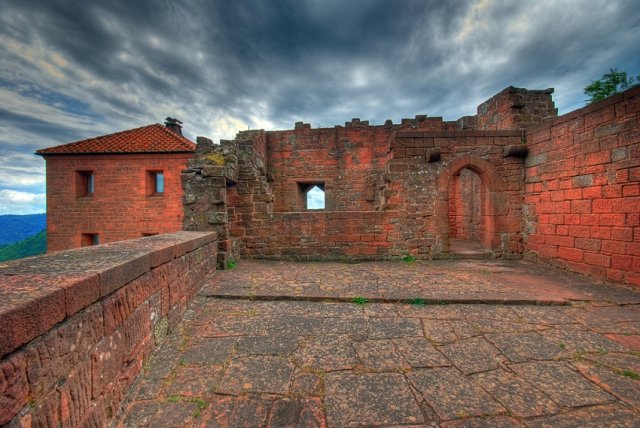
71	70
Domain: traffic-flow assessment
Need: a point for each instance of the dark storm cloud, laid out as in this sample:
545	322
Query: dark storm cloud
76	69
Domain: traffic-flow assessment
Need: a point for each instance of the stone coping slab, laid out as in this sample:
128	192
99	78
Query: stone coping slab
38	292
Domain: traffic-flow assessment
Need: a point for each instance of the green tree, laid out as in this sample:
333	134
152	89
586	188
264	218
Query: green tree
611	83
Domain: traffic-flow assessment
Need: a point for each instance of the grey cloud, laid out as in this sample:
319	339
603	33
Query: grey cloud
321	61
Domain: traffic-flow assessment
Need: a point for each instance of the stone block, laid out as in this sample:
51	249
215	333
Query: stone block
75	395
122	273
106	362
217	218
585	180
14	387
53	356
213	171
30	306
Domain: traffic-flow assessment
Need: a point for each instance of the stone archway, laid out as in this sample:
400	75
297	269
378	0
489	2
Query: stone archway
492	200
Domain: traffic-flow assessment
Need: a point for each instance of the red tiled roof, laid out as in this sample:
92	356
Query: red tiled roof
154	138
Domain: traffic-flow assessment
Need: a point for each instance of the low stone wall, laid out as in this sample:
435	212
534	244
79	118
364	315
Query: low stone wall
319	235
76	326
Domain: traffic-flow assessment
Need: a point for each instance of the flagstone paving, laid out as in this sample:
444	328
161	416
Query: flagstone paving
279	344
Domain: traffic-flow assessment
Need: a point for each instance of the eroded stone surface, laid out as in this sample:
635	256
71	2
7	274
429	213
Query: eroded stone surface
380	355
326	353
462	398
594	417
419	352
307	363
521	347
369	399
472	355
520	397
564	385
259	374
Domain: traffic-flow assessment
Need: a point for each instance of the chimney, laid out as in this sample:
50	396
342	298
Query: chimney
174	124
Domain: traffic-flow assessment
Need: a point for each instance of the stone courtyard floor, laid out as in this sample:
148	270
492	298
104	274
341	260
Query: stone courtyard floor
447	343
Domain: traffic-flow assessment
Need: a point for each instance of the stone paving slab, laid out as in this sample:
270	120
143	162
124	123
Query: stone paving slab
464	281
276	363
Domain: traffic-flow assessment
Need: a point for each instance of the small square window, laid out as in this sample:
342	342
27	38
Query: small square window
155	183
84	184
89	239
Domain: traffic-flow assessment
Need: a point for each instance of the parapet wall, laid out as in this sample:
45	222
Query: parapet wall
76	326
582	201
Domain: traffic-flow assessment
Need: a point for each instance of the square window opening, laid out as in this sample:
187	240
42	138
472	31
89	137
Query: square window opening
85	184
89	239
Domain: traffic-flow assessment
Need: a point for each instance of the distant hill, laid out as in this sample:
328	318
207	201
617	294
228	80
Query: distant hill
14	228
31	246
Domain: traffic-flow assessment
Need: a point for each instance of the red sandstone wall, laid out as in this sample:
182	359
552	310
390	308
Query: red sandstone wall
421	190
407	192
516	108
76	326
345	158
120	207
329	235
465	206
582	203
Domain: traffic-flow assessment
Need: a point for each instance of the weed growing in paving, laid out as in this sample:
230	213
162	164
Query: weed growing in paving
408	258
359	300
231	265
197	401
630	374
416	302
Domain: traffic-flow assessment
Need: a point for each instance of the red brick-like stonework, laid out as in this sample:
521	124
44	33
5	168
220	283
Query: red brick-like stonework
582	200
121	207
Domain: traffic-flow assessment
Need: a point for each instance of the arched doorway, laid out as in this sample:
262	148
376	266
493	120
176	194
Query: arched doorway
466	194
470	205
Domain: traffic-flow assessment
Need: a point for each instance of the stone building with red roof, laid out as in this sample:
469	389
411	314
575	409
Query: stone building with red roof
117	186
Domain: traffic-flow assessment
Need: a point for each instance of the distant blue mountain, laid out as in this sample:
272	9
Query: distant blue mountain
14	228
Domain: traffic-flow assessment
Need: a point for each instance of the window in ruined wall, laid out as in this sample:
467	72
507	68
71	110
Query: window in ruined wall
84	184
312	196
88	239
